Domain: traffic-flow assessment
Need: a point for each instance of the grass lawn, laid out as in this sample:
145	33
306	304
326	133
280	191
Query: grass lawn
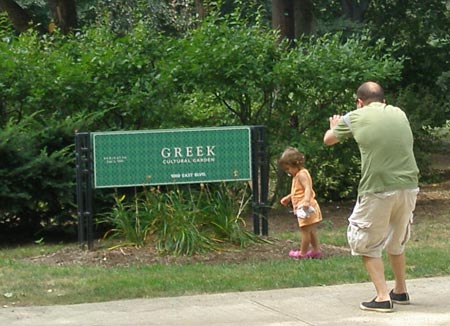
24	282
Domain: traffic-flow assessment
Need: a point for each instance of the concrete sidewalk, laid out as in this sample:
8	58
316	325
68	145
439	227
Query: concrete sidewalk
327	305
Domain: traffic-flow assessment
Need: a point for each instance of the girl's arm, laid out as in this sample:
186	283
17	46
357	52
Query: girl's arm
306	183
285	200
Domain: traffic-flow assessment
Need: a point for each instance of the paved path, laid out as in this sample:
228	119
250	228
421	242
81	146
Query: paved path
327	305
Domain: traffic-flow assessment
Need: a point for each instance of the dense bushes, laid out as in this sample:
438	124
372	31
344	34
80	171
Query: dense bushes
222	73
52	87
36	171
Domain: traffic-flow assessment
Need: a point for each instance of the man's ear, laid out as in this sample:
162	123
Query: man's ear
359	103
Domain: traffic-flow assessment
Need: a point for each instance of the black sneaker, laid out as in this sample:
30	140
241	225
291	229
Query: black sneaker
382	306
399	298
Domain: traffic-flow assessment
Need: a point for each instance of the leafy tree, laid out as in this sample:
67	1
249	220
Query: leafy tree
231	64
63	13
19	17
355	10
422	33
418	34
415	30
235	74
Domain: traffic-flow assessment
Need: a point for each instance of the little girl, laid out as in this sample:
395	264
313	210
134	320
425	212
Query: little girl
305	206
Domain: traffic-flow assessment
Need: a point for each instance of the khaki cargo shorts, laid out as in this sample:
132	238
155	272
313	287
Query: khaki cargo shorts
381	221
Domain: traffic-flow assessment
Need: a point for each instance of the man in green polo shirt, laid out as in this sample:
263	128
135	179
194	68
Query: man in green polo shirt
387	190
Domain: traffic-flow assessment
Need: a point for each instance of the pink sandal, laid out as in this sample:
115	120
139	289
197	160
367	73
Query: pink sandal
293	253
314	254
297	255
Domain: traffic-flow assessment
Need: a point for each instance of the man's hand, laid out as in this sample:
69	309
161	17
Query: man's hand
334	120
329	138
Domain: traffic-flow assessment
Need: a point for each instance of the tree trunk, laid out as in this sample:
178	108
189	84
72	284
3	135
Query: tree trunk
293	18
200	9
19	17
64	13
355	9
305	21
283	18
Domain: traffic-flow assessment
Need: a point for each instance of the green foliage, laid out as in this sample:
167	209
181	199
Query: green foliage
85	73
82	82
230	73
421	30
425	113
178	228
416	31
168	17
317	79
122	77
229	69
36	172
6	27
228	63
226	205
128	223
182	221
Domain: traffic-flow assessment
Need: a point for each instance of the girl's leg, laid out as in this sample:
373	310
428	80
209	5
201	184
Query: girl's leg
305	241
314	239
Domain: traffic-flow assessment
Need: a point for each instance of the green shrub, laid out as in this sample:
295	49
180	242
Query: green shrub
182	220
36	170
225	72
86	82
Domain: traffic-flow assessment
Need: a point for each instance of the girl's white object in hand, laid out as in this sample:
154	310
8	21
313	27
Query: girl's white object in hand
302	213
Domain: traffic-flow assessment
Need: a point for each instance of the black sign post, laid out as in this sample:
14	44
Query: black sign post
83	154
260	180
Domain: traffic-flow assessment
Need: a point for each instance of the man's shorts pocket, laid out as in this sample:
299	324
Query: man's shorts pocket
358	238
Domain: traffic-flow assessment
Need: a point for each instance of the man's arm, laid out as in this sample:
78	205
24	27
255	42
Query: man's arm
329	138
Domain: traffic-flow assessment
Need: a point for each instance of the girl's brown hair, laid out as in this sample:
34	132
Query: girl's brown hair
291	157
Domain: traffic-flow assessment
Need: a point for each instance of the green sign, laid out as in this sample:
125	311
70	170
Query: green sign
175	156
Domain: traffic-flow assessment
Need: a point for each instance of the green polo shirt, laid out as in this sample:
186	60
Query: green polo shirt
385	141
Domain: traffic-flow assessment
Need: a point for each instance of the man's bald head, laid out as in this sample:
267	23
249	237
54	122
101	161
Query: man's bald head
370	92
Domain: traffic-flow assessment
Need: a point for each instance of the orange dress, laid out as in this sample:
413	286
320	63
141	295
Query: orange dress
297	196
